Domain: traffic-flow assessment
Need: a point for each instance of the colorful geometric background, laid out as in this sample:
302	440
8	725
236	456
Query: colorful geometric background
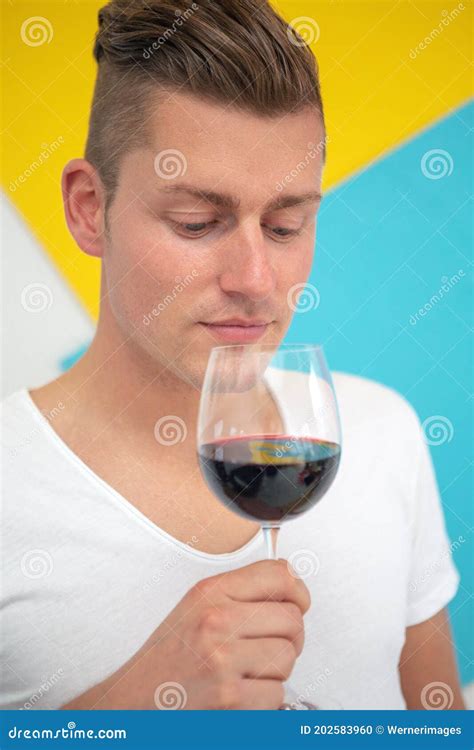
392	274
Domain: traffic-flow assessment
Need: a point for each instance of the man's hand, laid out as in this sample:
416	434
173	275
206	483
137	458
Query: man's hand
230	643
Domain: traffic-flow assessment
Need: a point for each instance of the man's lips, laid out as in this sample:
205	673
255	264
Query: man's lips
238	330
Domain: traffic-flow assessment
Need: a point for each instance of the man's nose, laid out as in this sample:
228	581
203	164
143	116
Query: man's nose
246	257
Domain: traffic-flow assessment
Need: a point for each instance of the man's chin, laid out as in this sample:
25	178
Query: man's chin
234	371
189	363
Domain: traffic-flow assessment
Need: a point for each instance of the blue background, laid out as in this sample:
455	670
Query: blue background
385	240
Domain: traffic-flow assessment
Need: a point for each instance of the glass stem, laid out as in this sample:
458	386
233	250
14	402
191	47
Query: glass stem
270	534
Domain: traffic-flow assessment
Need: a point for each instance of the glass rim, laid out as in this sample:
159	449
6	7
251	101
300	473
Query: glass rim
267	347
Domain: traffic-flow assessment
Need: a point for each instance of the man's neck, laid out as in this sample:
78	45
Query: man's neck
113	399
117	383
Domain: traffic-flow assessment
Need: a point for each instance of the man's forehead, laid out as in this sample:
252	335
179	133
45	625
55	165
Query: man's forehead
181	113
212	164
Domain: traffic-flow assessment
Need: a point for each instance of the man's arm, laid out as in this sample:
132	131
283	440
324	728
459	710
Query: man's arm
427	657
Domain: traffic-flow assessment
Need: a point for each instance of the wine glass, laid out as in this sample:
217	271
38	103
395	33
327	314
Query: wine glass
268	436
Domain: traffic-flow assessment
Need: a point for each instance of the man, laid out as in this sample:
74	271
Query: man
127	585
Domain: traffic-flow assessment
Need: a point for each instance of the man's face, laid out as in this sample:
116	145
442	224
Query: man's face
214	223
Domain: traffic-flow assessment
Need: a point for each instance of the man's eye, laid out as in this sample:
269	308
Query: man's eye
197	227
283	232
193	229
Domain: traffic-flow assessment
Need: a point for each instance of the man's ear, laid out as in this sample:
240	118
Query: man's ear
84	205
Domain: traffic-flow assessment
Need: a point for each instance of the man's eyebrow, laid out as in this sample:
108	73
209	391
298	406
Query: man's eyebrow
224	200
286	201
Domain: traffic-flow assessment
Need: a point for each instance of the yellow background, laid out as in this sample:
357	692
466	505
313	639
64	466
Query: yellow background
375	96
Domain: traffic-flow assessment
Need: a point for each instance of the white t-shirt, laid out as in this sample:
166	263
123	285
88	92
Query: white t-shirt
87	577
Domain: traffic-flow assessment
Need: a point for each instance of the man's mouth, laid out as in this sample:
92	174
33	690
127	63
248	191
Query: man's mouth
238	330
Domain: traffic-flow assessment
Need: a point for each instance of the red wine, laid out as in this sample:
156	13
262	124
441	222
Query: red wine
269	477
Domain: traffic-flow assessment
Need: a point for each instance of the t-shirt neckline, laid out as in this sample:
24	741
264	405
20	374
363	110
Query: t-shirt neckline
122	502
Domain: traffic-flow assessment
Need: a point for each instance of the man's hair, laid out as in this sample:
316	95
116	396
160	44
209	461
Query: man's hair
233	52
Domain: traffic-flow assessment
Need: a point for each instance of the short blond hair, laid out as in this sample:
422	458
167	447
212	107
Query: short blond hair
234	52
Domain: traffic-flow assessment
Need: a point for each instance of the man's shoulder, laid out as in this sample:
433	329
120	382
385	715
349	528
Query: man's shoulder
13	411
9	401
357	395
369	400
19	430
